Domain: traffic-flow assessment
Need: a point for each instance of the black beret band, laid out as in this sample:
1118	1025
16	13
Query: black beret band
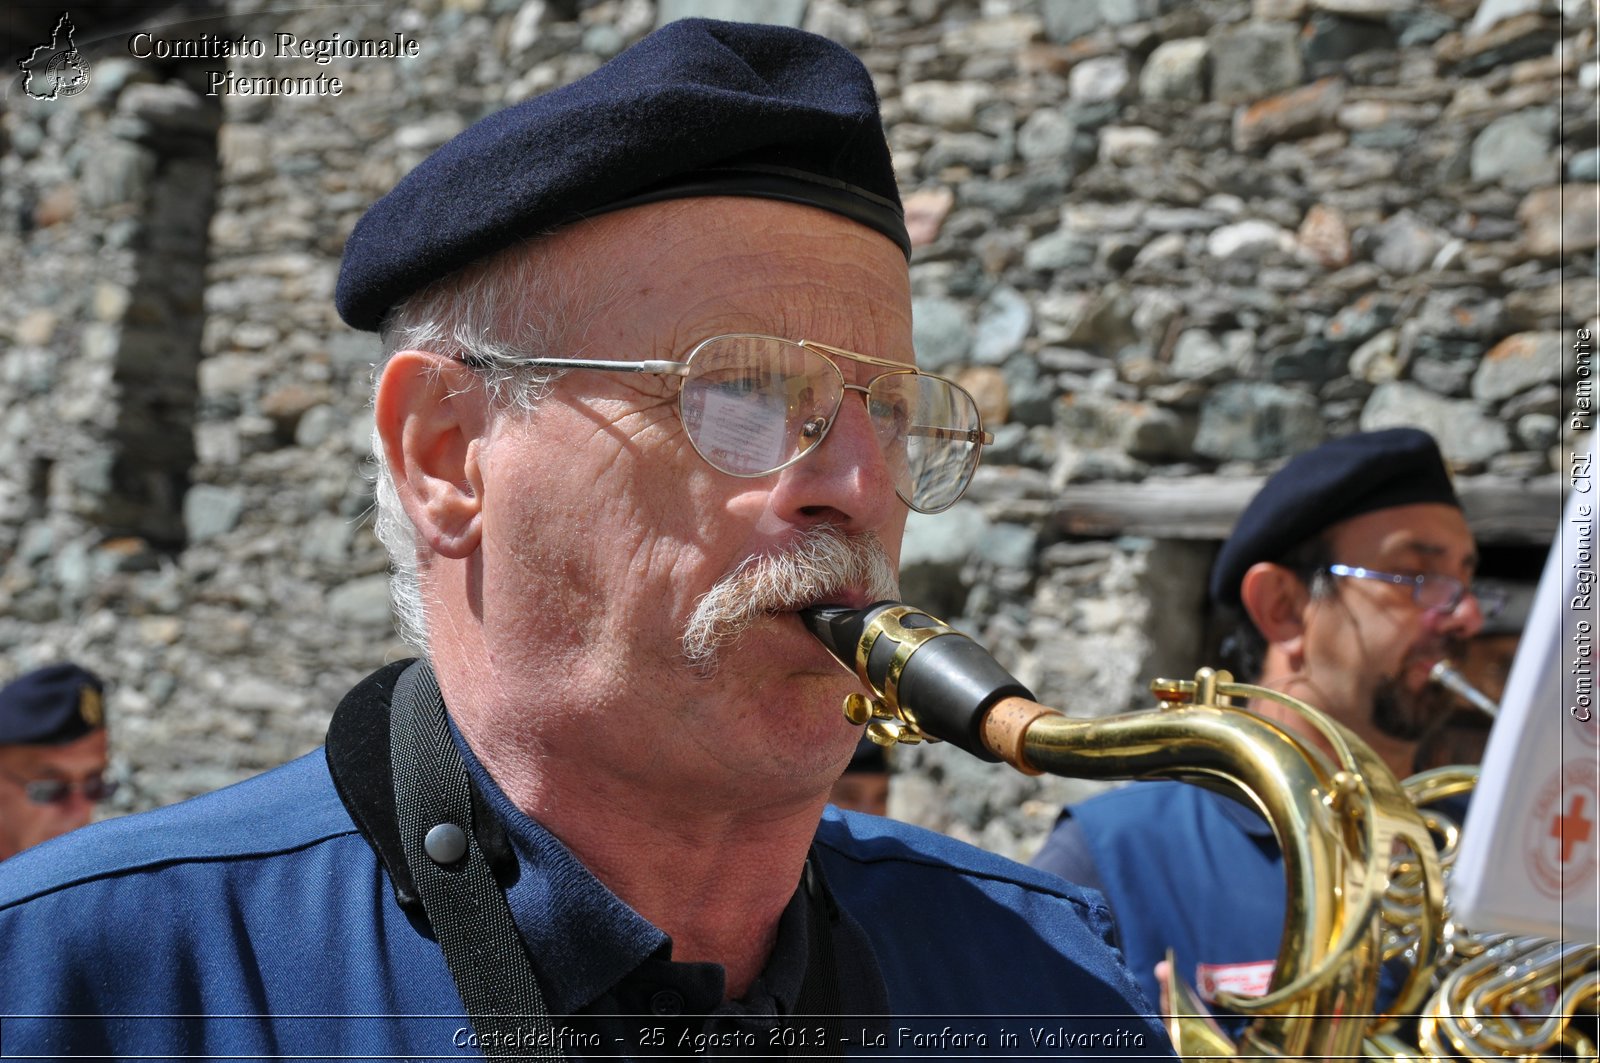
697	108
1344	478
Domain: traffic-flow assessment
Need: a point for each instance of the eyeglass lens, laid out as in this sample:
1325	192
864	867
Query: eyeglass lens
1446	593
96	788
752	405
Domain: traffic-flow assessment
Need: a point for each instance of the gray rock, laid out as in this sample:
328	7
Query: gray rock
1250	240
1067	20
317	425
1518	150
1519	363
603	40
1442	374
327	540
1046	135
1406	244
1558	221
1253	60
1491	13
117	173
1101	79
1538	431
1009	546
1003	323
1585	166
1466	313
1378	360
38	542
946	104
933	552
770	12
973	151
1176	70
363	602
1200	356
1062	249
1367	9
1253	422
210	511
940	332
1421	27
1467	437
1544	398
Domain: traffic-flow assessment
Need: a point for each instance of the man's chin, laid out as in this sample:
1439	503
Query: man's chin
1408	715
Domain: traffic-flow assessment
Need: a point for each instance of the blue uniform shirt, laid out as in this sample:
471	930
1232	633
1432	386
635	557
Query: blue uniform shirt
258	921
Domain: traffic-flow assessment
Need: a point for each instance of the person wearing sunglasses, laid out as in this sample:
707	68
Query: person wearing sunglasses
1348	575
53	755
648	390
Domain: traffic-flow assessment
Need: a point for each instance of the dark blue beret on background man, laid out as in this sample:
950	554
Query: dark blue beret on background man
1345	579
647	392
53	754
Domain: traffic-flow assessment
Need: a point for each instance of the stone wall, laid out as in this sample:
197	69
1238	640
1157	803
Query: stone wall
1159	240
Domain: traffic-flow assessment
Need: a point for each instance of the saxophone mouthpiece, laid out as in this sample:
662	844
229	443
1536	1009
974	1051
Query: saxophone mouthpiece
945	681
1446	676
839	628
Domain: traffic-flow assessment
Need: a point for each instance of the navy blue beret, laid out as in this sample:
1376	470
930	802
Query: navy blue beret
1343	478
51	705
697	108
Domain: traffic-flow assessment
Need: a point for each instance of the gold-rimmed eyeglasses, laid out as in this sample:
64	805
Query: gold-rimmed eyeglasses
753	405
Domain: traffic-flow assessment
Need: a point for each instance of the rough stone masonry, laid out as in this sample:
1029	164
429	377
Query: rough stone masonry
1166	244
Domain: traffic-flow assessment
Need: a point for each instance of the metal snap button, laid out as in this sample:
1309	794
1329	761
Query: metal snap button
445	843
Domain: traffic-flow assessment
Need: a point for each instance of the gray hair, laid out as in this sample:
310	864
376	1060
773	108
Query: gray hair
492	315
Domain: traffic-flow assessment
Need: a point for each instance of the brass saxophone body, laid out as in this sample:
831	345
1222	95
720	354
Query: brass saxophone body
1339	821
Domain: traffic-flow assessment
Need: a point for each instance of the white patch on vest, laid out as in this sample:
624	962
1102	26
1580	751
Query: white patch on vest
1240	979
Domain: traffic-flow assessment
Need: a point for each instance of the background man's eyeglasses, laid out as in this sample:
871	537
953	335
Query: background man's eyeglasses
754	405
1434	592
96	788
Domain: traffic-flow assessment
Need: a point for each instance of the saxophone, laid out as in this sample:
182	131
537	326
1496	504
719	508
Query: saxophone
1339	821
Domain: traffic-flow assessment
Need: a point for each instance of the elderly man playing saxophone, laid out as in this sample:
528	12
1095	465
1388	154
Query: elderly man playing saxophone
1346	579
648	391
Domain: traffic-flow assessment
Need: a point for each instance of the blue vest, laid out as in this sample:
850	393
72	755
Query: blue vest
1189	870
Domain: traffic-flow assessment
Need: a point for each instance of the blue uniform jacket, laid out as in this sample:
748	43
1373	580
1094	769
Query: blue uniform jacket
259	921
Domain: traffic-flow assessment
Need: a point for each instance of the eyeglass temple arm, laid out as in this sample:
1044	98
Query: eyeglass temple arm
1358	572
969	435
662	367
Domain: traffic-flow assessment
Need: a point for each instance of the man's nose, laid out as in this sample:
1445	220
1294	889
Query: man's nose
1465	620
845	479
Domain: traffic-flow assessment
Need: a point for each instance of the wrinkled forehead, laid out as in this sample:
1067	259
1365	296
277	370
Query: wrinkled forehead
683	271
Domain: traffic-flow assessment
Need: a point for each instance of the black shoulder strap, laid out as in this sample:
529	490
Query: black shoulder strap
465	905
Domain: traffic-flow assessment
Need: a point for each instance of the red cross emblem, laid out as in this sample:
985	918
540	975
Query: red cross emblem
1571	829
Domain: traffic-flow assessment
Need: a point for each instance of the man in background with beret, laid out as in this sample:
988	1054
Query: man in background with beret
53	754
648	392
1345	579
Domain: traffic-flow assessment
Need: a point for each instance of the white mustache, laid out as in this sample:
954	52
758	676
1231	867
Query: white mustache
820	564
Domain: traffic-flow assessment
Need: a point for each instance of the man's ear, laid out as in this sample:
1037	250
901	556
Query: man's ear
1276	599
431	417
